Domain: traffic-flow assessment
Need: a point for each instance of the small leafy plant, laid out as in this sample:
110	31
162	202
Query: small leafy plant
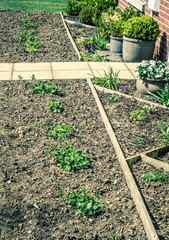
154	177
55	106
68	159
138	115
84	203
58	130
98	41
150	109
41	87
165	133
25	23
92	56
139	140
61	192
113	99
109	80
162	95
113	236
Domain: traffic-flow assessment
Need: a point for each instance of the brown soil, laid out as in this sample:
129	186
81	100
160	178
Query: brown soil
156	195
30	195
164	157
127	129
55	45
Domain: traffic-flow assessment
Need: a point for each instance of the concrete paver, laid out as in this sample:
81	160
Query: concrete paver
72	74
41	75
5	76
6	67
64	70
27	67
69	66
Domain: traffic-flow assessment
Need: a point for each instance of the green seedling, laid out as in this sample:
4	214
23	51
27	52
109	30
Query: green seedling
139	140
154	177
69	159
109	80
61	192
55	106
64	84
41	87
25	23
150	109
58	131
78	25
113	236
162	95
84	203
165	132
31	46
138	115
80	232
113	99
92	57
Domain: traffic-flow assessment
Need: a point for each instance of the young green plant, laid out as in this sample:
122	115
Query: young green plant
55	106
154	177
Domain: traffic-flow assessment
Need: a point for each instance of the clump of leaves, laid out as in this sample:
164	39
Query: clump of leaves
165	132
162	95
113	99
98	41
25	23
61	192
150	109
55	106
138	115
88	56
84	203
113	236
78	25
154	177
110	80
69	159
58	130
41	87
139	140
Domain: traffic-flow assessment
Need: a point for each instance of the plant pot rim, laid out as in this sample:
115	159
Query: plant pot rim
154	80
116	37
136	39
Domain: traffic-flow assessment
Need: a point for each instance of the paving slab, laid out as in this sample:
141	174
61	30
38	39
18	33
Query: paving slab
102	65
5	76
6	67
40	75
124	75
69	66
72	74
27	67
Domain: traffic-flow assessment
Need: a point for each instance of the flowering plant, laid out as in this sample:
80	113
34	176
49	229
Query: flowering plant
152	70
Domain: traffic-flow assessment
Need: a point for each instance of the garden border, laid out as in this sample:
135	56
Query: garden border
70	37
140	205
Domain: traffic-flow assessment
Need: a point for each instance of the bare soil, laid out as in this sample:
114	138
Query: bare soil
30	181
156	196
54	46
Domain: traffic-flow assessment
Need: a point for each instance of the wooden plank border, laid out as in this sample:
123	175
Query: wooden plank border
141	208
70	36
105	90
155	162
151	153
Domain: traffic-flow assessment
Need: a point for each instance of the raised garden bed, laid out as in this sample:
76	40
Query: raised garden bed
156	196
31	183
54	44
127	129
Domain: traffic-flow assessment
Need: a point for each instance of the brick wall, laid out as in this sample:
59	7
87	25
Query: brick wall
162	43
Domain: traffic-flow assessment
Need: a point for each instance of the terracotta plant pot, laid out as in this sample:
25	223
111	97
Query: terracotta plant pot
151	85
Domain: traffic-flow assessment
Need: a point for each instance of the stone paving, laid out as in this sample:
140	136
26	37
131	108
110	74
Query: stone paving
64	70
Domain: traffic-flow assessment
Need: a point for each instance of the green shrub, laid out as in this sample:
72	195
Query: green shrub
89	14
101	5
144	28
73	7
98	41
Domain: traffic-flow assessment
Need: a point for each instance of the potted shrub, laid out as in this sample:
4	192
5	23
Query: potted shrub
140	34
151	76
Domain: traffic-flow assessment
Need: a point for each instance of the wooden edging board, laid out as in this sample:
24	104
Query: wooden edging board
155	162
151	153
70	37
105	90
141	208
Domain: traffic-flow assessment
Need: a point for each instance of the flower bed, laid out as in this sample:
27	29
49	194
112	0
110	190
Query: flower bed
34	189
47	40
